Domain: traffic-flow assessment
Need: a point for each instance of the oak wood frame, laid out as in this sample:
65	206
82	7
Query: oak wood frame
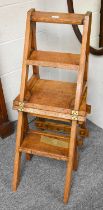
22	114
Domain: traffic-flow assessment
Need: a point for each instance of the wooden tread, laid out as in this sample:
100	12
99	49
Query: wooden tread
54	17
52	100
54	59
42	91
32	144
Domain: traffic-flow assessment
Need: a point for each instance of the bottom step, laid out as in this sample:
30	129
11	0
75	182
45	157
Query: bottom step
45	146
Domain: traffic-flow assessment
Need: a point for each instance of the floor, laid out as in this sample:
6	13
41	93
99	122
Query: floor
42	179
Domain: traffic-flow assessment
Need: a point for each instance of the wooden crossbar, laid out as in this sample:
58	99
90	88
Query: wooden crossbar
51	114
55	17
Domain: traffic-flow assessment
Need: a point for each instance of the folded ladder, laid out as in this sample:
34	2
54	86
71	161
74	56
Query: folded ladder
52	100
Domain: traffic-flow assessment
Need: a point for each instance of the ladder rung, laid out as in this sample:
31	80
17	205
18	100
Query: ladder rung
54	17
54	59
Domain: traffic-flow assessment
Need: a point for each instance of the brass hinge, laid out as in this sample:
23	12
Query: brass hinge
21	107
74	115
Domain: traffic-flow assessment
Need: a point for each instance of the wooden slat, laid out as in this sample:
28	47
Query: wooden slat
54	59
50	114
32	145
54	17
50	134
64	128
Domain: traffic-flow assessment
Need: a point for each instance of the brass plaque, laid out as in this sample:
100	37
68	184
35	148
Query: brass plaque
54	142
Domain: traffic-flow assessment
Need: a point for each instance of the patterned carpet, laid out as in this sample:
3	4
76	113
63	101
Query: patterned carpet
42	179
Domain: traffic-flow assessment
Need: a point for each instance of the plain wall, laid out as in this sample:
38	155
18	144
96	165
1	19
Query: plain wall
49	37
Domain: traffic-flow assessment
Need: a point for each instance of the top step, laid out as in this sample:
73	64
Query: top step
54	17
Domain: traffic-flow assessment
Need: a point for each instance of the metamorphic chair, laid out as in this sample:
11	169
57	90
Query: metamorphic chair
56	105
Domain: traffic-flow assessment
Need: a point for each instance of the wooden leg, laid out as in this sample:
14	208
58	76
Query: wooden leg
26	127
84	133
16	175
75	165
84	126
70	161
28	156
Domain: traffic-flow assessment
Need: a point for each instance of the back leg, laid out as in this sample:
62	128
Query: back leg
26	127
75	165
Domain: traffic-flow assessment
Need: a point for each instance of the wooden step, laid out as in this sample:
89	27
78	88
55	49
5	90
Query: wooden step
38	102
54	17
65	137
35	144
54	59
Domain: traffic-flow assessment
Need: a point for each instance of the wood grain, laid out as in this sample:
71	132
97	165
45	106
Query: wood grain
32	145
55	17
48	99
54	59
